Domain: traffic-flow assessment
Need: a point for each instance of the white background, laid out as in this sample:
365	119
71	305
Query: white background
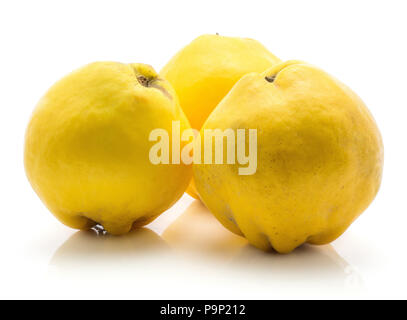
363	43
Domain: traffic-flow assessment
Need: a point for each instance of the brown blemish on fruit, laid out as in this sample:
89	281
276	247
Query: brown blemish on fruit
270	78
152	83
143	81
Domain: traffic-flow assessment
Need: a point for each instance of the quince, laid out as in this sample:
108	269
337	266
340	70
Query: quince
319	158
204	71
87	147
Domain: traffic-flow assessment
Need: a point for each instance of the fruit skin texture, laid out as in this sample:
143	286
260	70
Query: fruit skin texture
87	147
319	161
204	71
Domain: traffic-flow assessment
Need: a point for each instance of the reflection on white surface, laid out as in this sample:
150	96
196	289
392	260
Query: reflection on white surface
197	233
308	266
87	248
197	255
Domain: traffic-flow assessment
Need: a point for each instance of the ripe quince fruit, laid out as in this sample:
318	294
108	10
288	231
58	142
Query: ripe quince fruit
204	71
319	158
87	147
